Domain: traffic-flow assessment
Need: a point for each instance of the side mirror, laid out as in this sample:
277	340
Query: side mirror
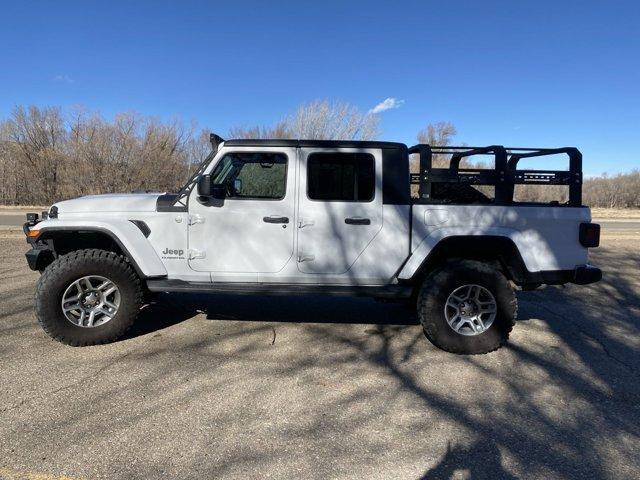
204	186
208	189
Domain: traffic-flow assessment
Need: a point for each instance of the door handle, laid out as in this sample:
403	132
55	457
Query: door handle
357	221
273	219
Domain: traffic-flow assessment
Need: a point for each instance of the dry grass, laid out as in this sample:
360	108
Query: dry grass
615	213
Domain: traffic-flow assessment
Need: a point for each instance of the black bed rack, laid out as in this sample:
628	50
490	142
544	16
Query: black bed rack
504	175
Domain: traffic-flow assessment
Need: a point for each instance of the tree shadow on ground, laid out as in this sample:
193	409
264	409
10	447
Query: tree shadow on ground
479	461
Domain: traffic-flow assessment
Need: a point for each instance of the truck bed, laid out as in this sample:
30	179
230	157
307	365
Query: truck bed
547	236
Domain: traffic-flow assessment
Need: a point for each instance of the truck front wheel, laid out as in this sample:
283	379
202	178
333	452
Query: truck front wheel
88	297
467	307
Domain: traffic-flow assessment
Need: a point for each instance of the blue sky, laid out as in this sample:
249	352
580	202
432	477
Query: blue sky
539	73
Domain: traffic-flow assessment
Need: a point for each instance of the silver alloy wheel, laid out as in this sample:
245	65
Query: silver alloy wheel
470	310
91	301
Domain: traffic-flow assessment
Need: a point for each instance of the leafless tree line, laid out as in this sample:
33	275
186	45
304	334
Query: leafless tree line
47	154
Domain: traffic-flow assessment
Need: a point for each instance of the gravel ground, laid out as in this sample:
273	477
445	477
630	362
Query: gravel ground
314	387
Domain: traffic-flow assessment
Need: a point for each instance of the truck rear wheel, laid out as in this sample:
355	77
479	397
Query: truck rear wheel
467	307
88	297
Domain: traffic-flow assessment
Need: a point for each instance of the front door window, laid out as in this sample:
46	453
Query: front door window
260	175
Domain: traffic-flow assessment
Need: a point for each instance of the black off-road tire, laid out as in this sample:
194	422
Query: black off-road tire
433	295
72	266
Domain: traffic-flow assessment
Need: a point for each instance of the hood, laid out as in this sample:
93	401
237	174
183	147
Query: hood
117	202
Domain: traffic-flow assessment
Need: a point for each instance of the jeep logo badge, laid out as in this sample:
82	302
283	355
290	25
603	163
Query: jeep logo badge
169	253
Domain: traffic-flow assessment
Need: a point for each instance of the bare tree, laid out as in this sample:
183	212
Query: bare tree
437	134
197	148
9	174
38	134
326	120
279	130
319	120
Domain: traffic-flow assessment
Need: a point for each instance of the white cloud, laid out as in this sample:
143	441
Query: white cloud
387	104
63	79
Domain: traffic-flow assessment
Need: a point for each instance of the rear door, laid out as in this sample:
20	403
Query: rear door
339	208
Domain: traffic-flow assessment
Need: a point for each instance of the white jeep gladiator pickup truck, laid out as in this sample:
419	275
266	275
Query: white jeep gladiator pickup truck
329	217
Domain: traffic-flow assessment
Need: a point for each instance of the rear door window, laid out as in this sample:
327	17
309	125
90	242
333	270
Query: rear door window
341	177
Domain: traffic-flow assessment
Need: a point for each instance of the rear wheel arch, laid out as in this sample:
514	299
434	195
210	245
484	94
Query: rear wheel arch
498	251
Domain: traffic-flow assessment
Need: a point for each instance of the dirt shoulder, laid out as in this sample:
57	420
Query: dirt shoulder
21	208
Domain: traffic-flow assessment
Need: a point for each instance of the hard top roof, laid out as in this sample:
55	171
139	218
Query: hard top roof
312	143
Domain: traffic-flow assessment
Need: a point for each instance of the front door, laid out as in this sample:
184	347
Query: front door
339	208
251	231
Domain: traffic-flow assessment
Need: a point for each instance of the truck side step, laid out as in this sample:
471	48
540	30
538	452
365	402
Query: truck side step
385	291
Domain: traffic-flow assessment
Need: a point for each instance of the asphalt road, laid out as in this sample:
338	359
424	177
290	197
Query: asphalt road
12	219
314	387
619	226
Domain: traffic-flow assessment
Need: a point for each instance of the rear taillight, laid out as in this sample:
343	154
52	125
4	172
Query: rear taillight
589	235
